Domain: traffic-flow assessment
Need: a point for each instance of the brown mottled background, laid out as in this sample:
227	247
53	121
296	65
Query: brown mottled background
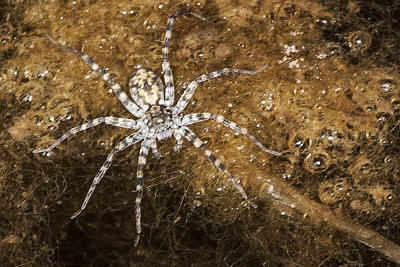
330	100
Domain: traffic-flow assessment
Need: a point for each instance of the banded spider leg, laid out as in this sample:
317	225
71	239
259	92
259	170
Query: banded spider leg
189	135
123	98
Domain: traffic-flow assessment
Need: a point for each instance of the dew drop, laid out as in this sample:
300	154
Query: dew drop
299	143
27	98
318	163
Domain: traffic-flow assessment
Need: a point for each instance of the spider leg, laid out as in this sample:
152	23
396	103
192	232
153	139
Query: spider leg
166	69
199	117
119	122
128	104
189	135
187	95
144	151
155	150
179	141
128	141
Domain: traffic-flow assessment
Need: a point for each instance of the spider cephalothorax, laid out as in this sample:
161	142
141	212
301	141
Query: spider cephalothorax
157	117
159	120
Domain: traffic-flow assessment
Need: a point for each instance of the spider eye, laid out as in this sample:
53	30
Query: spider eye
146	87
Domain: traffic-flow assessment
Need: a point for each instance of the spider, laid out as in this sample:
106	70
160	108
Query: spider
158	118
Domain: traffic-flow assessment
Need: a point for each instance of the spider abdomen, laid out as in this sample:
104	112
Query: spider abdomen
146	88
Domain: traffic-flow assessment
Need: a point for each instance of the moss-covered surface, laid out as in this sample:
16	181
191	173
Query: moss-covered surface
330	101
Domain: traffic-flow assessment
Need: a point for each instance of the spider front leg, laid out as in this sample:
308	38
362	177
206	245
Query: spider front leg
189	135
128	141
155	151
144	151
187	95
118	122
166	68
199	117
128	104
179	142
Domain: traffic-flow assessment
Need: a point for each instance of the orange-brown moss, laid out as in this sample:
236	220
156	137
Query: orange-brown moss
329	100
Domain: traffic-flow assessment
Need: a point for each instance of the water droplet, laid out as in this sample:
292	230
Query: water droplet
387	85
365	167
286	176
318	163
299	143
27	98
251	158
42	74
387	160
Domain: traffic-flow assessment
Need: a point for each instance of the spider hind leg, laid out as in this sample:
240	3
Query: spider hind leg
144	151
189	135
199	117
128	141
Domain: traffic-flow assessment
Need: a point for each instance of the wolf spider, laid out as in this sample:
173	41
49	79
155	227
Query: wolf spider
157	117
